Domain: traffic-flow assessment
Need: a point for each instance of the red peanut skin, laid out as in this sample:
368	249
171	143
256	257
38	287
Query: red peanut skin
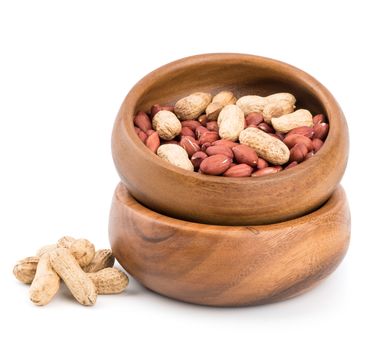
317	144
291	165
321	131
186	131
254	118
209	136
212	126
265	171
215	165
205	146
298	152
200	130
212	150
203	120
153	142
318	118
197	158
266	128
293	139
261	164
226	143
189	144
246	155
302	130
192	124
156	108
238	170
142	121
142	135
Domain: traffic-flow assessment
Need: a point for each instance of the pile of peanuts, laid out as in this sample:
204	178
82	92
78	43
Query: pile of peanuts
85	271
223	135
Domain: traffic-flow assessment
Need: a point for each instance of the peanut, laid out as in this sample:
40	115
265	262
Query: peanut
156	108
67	268
251	103
46	281
189	144
175	155
197	158
219	101
265	171
212	150
109	281
215	165
277	109
25	270
239	170
287	122
266	146
153	142
166	124
245	155
83	251
230	122
192	106
45	249
142	121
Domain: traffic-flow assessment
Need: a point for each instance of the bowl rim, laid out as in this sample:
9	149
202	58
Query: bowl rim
331	109
124	198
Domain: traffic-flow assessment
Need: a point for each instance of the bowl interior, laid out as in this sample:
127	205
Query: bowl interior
255	76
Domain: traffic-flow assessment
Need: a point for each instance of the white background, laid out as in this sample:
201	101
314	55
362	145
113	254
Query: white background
65	67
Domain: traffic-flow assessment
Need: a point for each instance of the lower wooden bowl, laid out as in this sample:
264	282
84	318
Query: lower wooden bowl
228	265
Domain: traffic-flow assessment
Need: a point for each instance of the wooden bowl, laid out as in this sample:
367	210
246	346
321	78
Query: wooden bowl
218	200
228	265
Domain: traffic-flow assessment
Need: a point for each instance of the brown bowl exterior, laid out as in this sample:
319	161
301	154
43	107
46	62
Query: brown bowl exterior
219	200
228	265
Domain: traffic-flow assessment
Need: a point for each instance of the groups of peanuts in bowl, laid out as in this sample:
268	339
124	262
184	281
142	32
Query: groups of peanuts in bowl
223	135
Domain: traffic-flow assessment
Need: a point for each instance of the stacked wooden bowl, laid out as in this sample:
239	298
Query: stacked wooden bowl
228	241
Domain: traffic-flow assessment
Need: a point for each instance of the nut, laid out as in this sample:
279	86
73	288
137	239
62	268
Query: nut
209	136
200	130
192	106
212	126
67	268
318	118
321	131
203	119
291	165
281	96
317	144
277	109
215	165
251	103
186	131
230	122
197	158
212	150
189	144
265	127
266	146
293	139
153	142
25	270
246	155
254	118
265	171
239	170
45	283
175	155
192	124
103	258
219	101
156	108
83	251
167	125
226	143
109	281
142	121
298	152
302	130
261	164
287	122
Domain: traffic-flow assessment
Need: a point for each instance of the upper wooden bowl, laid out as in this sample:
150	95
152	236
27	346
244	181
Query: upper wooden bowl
228	265
218	200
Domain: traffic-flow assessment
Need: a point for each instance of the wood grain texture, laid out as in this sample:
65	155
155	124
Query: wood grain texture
228	265
229	201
